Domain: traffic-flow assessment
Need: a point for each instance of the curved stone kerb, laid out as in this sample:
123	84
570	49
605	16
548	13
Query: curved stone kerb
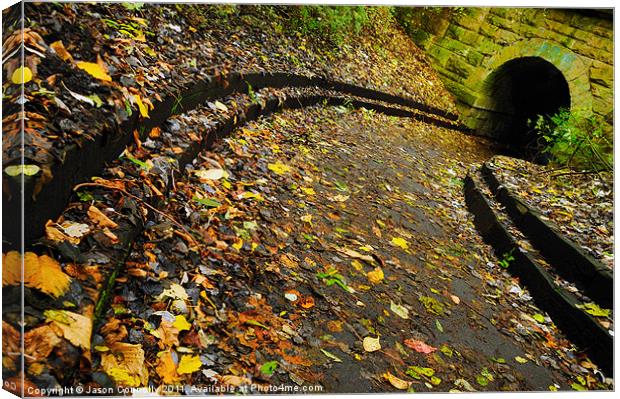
573	68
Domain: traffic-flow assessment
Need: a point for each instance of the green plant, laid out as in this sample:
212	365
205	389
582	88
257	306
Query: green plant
576	139
329	22
507	258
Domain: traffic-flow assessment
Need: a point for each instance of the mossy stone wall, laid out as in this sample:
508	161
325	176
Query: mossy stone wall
466	45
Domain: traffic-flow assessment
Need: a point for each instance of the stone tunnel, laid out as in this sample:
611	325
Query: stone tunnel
505	66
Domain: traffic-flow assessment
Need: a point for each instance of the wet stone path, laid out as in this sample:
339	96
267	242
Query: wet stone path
334	248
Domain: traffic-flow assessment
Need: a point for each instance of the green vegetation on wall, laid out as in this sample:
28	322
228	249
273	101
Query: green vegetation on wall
577	140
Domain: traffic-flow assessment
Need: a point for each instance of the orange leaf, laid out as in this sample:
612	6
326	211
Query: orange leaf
166	368
61	51
11	268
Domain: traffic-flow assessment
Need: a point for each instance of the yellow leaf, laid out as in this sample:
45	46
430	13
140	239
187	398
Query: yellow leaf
21	75
238	244
181	323
308	190
400	242
141	107
279	168
189	364
125	364
357	265
395	381
74	327
520	359
371	344
16	170
376	276
11	268
95	70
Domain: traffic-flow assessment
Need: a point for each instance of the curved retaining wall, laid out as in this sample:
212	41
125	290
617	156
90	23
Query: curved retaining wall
85	159
582	328
572	262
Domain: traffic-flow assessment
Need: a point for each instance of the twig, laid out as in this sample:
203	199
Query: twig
122	190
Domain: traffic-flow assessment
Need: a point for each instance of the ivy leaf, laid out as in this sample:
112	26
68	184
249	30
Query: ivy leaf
208	202
269	368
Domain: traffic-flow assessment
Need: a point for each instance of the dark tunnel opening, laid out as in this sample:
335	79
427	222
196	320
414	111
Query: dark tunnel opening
522	89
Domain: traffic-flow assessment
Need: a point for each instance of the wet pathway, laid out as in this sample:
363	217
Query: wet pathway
334	249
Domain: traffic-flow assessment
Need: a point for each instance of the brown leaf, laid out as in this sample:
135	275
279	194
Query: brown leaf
39	342
168	335
76	328
101	220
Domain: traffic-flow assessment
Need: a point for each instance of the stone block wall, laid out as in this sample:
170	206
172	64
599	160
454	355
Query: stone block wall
466	45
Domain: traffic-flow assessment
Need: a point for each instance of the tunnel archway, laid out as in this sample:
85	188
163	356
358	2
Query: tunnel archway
520	90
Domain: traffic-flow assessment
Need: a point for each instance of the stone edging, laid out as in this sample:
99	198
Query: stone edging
83	160
570	261
559	303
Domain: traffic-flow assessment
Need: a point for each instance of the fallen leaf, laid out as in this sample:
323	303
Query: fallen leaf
417	372
125	364
95	70
220	106
400	242
189	364
375	276
76	328
97	217
181	323
209	174
269	368
371	344
401	311
234	380
594	309
45	274
61	51
306	302
176	291
419	346
279	168
166	368
520	359
144	112
167	333
16	170
455	299
438	325
11	268
331	356
21	75
396	382
39	342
